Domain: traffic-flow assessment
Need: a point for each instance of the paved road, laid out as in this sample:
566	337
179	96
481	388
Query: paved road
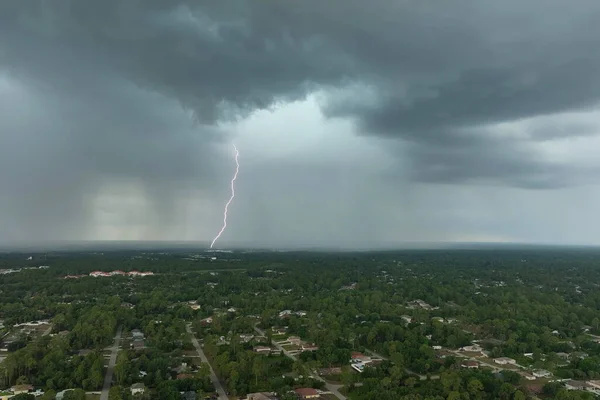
213	376
494	368
47	331
335	389
114	350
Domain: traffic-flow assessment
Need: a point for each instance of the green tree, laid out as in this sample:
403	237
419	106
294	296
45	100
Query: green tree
49	394
75	394
24	396
519	395
115	393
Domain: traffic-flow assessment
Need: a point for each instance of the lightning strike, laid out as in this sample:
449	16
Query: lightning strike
237	170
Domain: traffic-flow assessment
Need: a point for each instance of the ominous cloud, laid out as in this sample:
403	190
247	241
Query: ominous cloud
140	98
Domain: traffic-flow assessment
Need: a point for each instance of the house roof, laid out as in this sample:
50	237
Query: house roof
306	391
19	388
139	385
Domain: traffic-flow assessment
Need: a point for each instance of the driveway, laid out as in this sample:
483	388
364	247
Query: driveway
114	350
330	387
213	376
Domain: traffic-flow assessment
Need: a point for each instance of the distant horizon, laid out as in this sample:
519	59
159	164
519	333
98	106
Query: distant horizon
133	245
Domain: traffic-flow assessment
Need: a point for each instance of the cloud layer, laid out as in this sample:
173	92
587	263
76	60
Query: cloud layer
141	98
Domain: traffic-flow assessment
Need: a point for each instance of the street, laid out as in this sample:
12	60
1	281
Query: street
213	376
330	387
114	350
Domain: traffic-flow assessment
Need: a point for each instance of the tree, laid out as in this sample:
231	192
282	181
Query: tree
75	394
50	394
115	393
475	387
24	396
519	395
453	396
411	381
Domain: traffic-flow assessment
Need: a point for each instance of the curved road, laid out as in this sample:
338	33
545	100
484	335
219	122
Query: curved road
114	350
213	376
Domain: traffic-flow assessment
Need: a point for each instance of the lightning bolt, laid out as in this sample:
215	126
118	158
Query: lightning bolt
237	170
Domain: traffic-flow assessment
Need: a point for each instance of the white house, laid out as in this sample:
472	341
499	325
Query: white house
505	361
137	388
541	373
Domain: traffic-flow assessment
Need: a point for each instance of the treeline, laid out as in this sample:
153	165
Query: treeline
50	363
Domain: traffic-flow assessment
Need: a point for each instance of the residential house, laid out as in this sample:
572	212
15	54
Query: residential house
295	340
97	274
137	388
285	313
307	393
469	364
206	321
541	373
527	376
359	357
189	395
594	387
136	334
246	337
576	385
18	389
309	347
505	361
475	348
262	349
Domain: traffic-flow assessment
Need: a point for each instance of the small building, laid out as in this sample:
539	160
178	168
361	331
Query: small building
474	348
527	376
505	361
469	364
307	393
576	385
262	349
189	395
309	347
541	373
18	389
359	357
295	340
137	388
137	334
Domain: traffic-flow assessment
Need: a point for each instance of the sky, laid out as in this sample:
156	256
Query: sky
359	124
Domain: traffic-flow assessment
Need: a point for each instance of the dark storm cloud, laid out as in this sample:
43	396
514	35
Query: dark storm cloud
435	69
106	73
